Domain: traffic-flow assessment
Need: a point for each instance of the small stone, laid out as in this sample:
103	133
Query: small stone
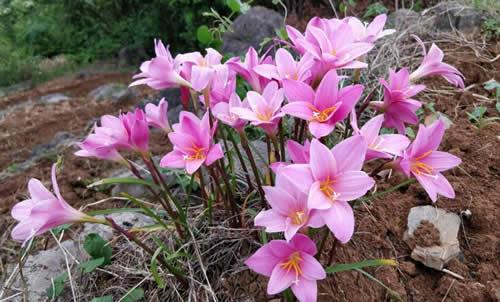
436	256
54	98
116	92
125	220
250	29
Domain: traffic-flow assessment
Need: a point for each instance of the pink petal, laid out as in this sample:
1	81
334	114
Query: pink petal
441	161
371	128
427	182
38	191
193	165
214	154
303	243
22	210
322	162
299	174
290	229
174	159
267	70
305	290
317	199
279	200
280	280
319	130
351	185
350	154
393	143
297	91
311	268
326	93
340	220
444	187
271	220
301	110
263	261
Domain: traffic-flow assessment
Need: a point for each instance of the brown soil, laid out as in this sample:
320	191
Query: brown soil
426	234
379	226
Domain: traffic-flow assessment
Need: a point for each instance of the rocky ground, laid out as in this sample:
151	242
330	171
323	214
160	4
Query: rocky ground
39	124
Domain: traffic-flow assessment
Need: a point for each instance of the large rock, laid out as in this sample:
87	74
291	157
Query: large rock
115	92
447	224
41	268
53	98
452	15
251	29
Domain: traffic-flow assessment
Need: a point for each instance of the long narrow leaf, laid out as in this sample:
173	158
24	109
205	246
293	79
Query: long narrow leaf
114	210
123	180
359	265
146	210
154	269
392	292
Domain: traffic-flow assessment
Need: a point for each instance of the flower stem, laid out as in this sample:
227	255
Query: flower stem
246	147
390	190
229	192
131	236
282	141
242	161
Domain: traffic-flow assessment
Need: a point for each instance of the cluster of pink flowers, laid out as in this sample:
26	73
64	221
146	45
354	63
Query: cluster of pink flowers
307	82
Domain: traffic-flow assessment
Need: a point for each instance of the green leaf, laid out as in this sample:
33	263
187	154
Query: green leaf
497	105
375	9
57	286
91	265
203	34
410	133
58	230
154	269
359	265
113	211
479	112
492	84
234	5
107	298
134	295
146	210
96	247
123	180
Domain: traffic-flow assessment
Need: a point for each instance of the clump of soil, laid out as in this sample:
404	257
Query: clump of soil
426	235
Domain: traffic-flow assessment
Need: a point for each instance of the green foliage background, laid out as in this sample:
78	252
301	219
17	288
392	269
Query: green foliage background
86	30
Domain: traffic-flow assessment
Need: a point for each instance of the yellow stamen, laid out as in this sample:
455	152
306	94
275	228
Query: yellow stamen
264	116
197	153
298	217
419	168
293	263
327	188
321	115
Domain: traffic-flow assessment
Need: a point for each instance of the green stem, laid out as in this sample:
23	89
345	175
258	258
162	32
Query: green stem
246	147
282	141
390	190
242	161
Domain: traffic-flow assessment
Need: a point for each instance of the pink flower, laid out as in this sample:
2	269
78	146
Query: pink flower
287	68
265	109
222	111
202	71
299	154
334	178
323	108
425	163
160	72
246	69
221	89
432	64
381	146
289	265
157	117
371	32
398	107
332	42
43	211
125	132
193	147
289	212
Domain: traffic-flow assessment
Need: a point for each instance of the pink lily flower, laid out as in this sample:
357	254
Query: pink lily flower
371	32
221	89
287	68
202	71
398	106
432	64
289	212
100	147
334	45
323	108
160	72
126	132
425	163
265	110
157	117
384	145
289	264
193	146
334	178
222	111
246	69
43	211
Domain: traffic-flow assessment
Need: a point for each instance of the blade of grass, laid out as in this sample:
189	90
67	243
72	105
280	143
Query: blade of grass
342	267
393	293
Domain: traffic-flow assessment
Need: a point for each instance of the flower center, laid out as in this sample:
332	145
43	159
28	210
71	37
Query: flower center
298	217
293	263
419	168
322	115
264	116
196	153
327	188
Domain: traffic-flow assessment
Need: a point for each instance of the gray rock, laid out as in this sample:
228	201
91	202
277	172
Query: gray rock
259	152
115	92
251	29
447	223
53	98
401	19
41	268
452	15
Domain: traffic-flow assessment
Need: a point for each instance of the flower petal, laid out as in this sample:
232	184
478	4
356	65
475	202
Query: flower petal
340	220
